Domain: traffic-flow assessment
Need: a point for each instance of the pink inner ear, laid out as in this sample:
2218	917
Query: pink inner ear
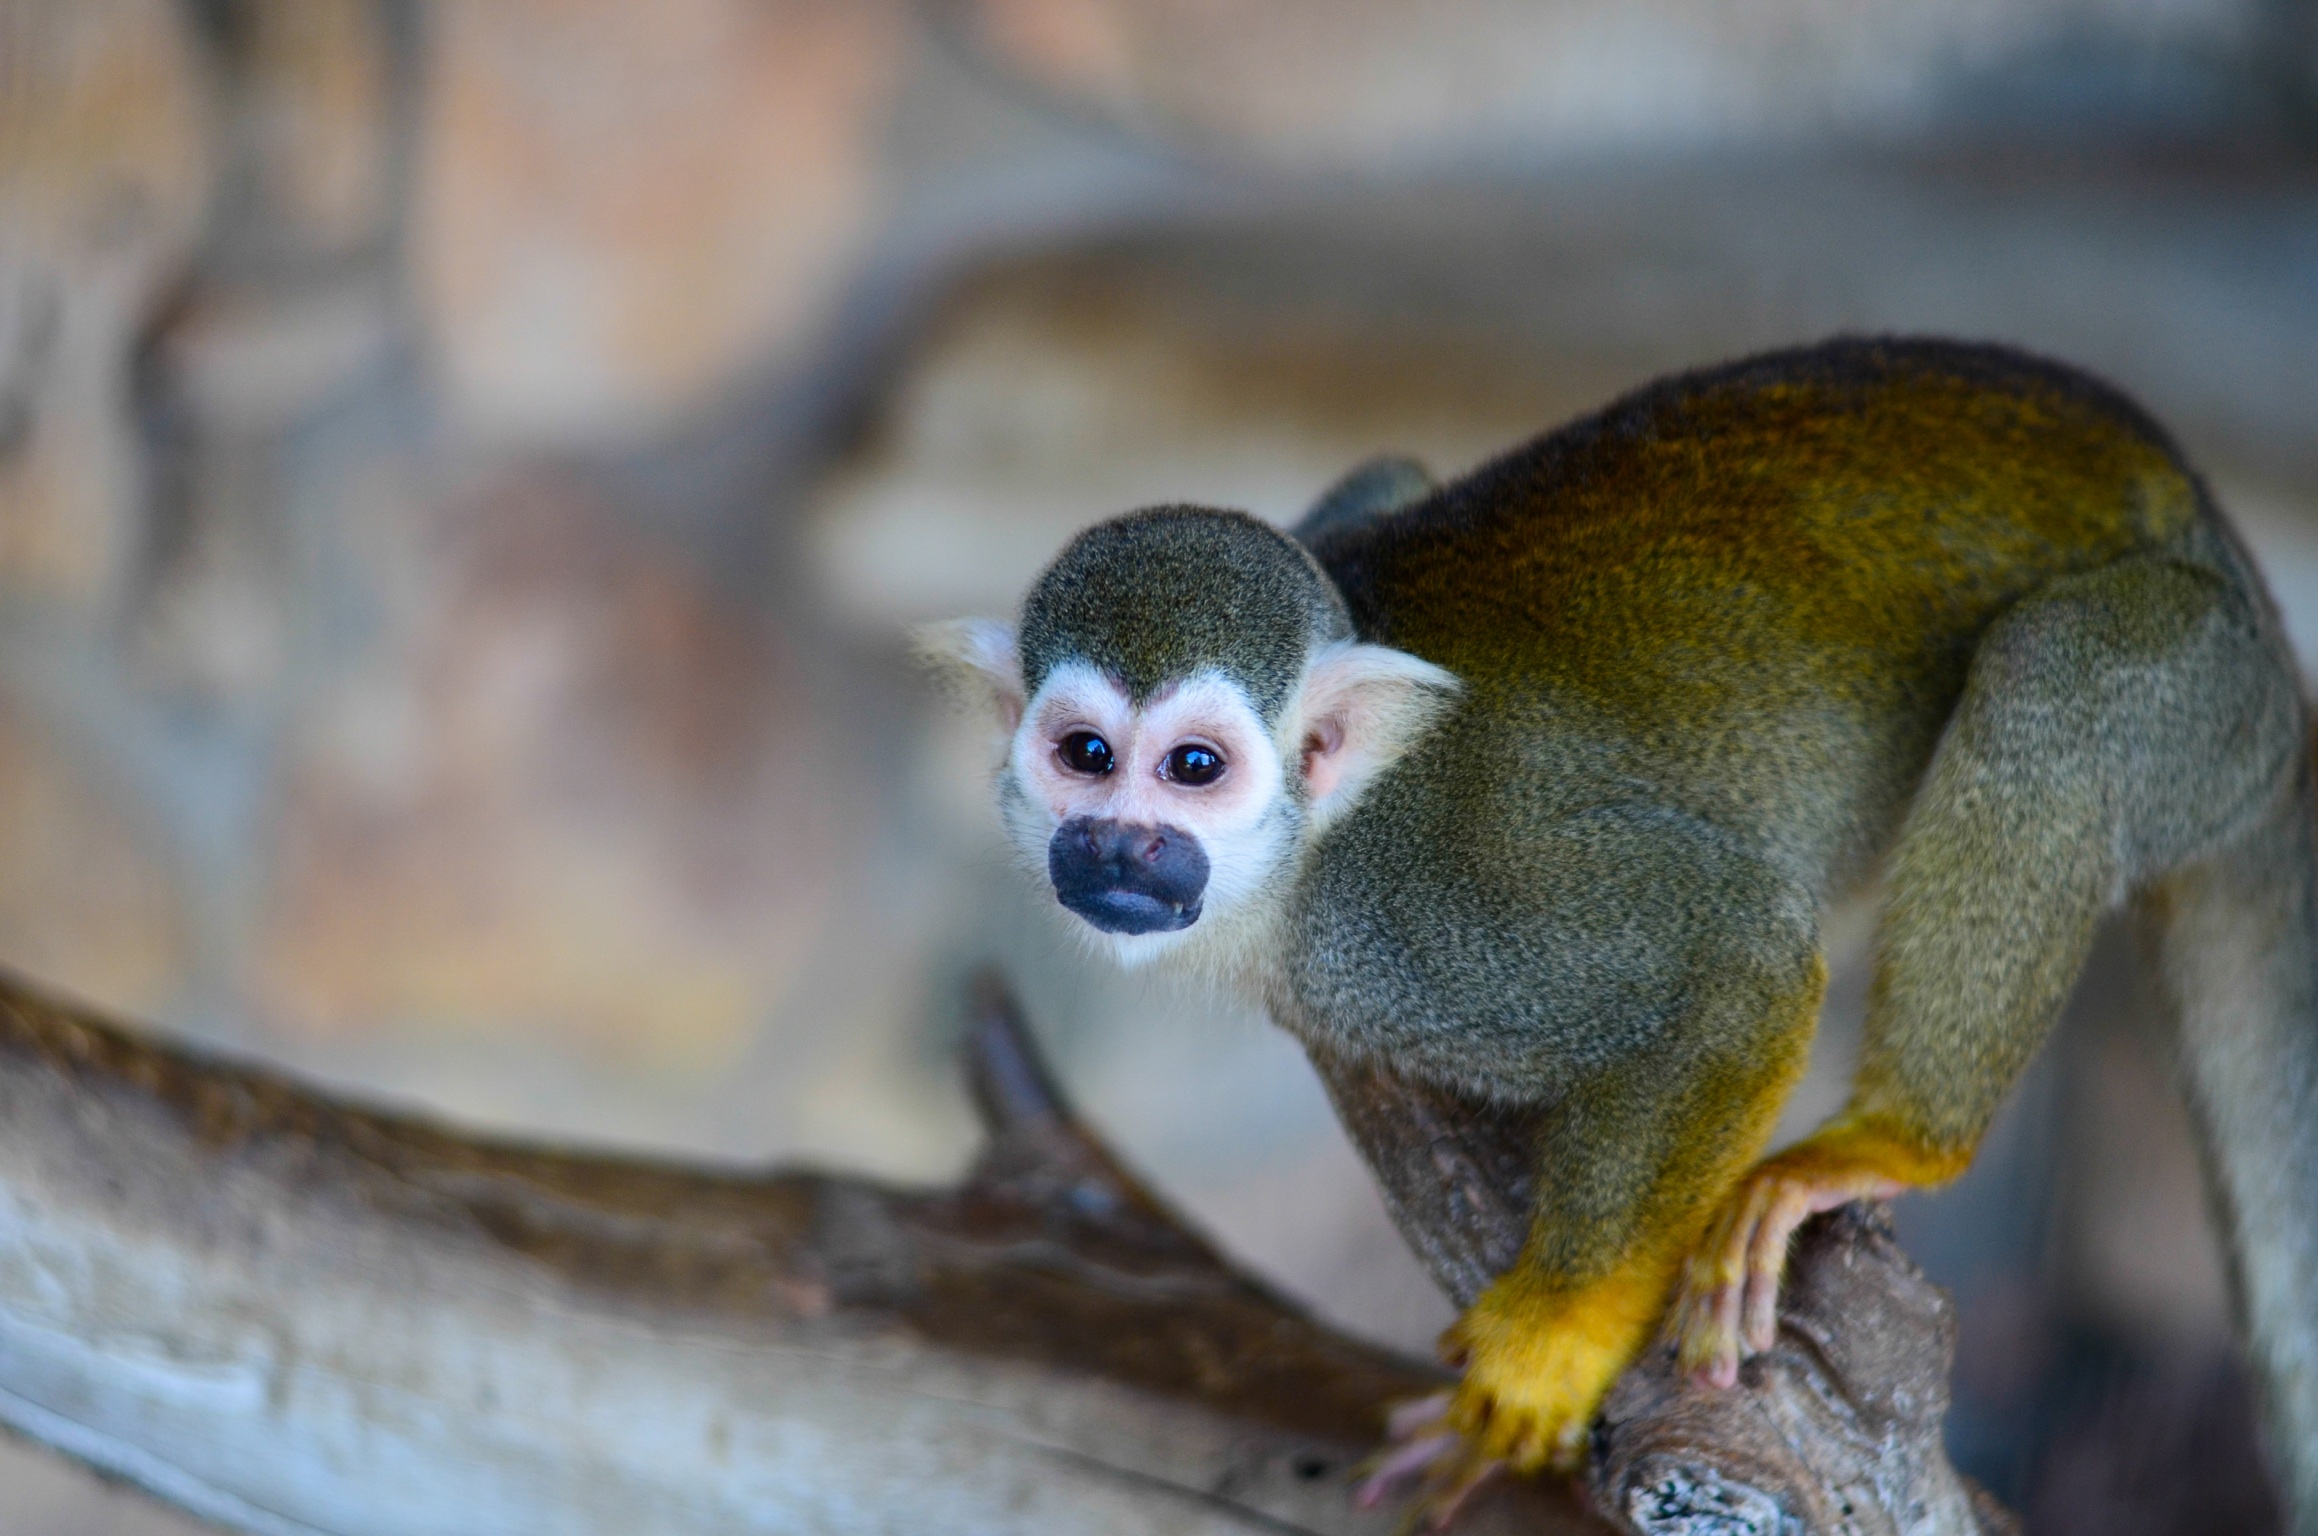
1323	760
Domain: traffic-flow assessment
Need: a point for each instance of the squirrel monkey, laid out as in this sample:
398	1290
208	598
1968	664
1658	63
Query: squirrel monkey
1535	785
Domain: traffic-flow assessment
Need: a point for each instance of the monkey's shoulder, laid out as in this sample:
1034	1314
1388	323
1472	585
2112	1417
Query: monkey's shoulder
1513	944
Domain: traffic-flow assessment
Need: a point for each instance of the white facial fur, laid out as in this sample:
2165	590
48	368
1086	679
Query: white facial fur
1245	819
1358	709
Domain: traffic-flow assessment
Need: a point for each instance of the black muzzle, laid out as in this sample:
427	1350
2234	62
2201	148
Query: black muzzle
1125	878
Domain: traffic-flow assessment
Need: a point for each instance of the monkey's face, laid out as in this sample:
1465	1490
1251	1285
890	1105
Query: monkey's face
1181	814
1147	818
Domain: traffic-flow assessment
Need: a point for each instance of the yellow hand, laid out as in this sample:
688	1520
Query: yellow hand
1539	1359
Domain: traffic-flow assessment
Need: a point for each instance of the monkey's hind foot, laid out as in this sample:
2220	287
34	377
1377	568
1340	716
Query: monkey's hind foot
1728	1306
1423	1448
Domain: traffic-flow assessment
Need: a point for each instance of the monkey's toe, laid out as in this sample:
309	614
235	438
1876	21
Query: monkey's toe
1426	1453
1538	1358
1728	1305
1535	1373
1704	1325
1418	1441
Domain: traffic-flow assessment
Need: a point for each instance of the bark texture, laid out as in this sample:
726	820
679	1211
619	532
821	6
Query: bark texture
1836	1429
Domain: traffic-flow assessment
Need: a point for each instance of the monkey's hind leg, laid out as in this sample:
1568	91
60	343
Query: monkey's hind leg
2113	725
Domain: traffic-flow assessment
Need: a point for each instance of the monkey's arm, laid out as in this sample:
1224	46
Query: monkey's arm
2112	726
1710	958
1634	1166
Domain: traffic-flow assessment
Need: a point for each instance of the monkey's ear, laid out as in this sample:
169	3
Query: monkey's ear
976	658
1362	707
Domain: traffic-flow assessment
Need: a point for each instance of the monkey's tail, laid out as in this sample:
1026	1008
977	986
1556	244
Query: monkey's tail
2235	937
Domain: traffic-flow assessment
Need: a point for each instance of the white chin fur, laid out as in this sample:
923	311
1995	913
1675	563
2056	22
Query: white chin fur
1131	951
1231	949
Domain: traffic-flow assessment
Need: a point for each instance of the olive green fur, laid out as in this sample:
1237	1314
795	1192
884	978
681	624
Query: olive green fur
1731	647
1710	638
1209	590
1742	639
2117	724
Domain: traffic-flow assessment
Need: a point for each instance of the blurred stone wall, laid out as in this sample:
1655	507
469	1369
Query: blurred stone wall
465	469
1364	83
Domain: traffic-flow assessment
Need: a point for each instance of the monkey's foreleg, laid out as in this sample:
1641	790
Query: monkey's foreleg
1633	1163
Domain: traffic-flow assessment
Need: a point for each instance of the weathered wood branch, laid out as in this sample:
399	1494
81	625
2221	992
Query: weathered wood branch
1837	1429
292	1315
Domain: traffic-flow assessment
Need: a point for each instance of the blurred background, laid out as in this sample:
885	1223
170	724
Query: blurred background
465	471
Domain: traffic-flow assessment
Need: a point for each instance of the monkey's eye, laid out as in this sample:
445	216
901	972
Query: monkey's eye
1085	752
1192	763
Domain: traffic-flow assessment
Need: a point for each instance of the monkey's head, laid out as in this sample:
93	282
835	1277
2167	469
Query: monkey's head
1187	708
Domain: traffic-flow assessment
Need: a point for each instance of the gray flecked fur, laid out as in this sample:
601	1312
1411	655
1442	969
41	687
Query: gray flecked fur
1208	589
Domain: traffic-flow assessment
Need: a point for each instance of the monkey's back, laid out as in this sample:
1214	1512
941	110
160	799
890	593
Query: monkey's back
1747	596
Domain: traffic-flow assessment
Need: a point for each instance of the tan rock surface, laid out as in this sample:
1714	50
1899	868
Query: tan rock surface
88	903
622	208
569	794
1057	389
107	150
316	100
1377	82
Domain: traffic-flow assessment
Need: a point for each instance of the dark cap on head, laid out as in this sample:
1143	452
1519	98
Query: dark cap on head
1169	591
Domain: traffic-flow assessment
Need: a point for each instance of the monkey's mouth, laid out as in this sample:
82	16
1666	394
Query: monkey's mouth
1130	911
1125	878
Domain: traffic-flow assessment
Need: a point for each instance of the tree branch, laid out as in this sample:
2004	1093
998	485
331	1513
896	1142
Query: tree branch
291	1316
1837	1429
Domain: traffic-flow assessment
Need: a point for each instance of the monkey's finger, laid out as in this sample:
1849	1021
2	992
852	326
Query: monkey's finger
1766	1264
1493	1431
1711	1355
1722	1365
1720	1371
1568	1452
1759	1328
1388	1471
1416	1415
1706	1337
1782	1214
1692	1311
1745	1253
1763	1193
1466	1478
